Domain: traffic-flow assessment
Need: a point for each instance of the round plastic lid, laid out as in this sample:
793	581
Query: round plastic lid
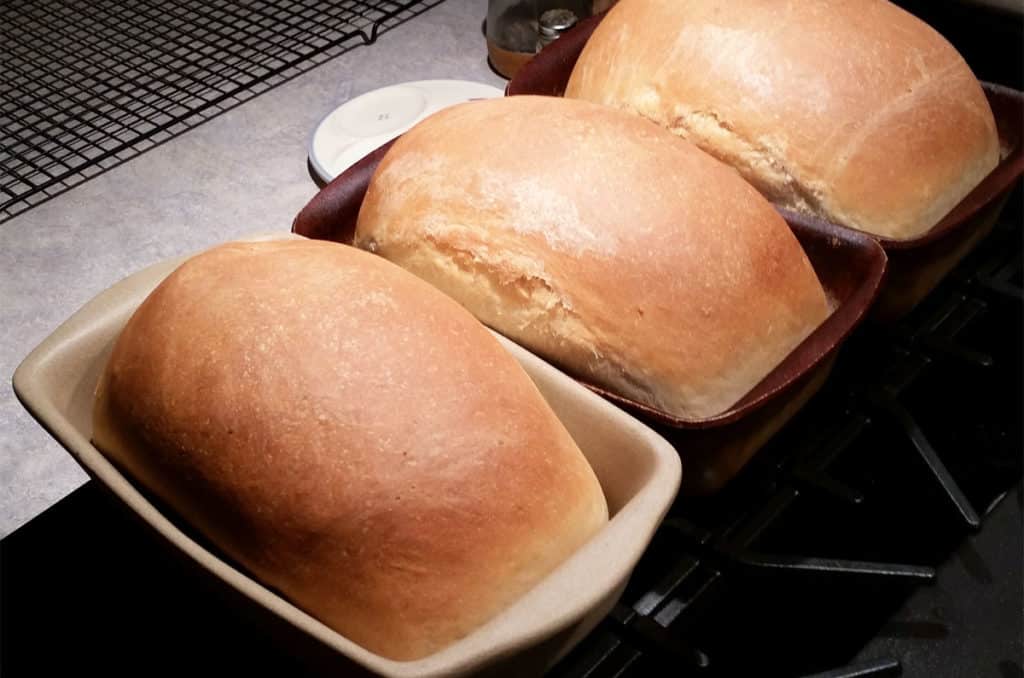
369	121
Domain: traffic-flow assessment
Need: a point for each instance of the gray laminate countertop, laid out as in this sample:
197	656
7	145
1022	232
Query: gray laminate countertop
242	172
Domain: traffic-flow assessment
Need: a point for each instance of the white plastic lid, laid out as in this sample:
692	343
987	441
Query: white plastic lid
369	121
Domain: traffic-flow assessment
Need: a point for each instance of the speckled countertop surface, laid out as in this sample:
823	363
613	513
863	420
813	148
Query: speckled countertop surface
242	172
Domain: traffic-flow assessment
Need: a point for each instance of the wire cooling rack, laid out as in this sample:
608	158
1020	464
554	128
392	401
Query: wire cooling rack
85	86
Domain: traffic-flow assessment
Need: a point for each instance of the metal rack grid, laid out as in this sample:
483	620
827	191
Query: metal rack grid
87	86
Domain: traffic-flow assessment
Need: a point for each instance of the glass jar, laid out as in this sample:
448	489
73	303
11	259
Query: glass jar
514	28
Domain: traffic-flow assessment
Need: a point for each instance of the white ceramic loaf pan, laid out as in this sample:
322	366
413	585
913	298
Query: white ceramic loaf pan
639	473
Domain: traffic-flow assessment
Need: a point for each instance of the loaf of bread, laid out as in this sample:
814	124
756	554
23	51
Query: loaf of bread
856	112
349	435
600	241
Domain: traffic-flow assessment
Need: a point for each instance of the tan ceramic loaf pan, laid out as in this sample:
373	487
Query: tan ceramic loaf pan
639	474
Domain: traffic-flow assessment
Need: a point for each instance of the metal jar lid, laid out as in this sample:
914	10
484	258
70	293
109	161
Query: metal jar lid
554	22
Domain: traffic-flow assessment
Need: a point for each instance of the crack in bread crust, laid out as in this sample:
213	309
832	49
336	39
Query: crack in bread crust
545	321
555	320
882	116
553	306
758	163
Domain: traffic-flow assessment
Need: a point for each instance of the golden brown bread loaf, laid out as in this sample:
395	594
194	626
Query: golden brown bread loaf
856	112
601	242
351	436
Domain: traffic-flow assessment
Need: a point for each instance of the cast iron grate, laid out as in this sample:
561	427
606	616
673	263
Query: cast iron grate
913	440
87	86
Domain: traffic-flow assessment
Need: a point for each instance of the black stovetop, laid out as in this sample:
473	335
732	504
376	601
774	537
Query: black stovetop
822	555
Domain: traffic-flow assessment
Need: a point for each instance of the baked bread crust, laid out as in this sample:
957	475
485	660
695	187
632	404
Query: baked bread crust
601	242
856	112
349	435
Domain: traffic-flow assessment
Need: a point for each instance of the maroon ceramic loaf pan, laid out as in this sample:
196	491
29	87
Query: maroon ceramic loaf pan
849	264
915	266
